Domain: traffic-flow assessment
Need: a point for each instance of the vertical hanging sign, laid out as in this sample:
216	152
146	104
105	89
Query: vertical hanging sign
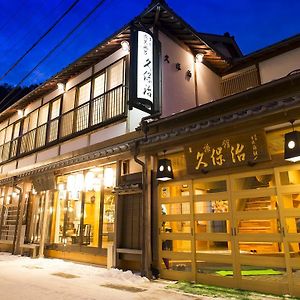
144	72
145	67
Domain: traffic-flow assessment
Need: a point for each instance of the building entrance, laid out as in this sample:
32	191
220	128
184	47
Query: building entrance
241	230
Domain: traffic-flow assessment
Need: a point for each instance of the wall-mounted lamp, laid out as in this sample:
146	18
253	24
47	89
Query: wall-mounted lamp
164	170
61	86
20	113
109	177
199	57
125	46
292	145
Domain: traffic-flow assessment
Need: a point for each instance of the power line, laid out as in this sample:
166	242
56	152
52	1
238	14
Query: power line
100	3
39	39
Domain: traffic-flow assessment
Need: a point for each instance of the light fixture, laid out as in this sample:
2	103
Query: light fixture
8	198
61	86
20	113
199	57
79	182
125	46
61	187
109	178
164	170
89	181
71	183
292	145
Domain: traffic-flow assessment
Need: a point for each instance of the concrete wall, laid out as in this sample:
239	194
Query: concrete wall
279	66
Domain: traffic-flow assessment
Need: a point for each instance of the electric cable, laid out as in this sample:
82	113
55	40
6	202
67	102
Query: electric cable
39	39
99	4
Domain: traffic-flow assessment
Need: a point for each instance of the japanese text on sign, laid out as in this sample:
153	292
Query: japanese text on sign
145	66
226	152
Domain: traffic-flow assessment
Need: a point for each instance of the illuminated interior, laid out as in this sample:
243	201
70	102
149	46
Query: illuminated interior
243	224
84	207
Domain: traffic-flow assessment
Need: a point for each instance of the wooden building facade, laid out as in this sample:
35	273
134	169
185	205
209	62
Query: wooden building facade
79	158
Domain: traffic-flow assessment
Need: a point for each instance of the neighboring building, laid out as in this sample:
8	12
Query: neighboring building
78	167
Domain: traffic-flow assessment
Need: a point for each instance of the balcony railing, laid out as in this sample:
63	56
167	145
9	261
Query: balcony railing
100	110
240	82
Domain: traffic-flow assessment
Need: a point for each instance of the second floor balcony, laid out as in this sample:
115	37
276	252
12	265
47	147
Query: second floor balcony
97	112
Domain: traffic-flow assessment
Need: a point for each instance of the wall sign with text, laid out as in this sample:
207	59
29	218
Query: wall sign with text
144	91
225	152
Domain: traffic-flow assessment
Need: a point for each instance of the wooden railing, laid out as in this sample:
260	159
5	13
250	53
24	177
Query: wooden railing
95	112
240	82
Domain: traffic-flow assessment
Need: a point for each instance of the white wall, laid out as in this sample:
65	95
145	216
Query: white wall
279	66
109	60
178	93
52	95
108	133
134	118
208	84
32	106
74	81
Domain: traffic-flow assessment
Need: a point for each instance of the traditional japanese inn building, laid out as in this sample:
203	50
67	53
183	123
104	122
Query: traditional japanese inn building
161	148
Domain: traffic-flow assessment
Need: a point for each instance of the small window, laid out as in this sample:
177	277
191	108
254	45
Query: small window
115	75
43	114
69	100
2	135
33	120
55	108
16	130
99	85
84	93
9	131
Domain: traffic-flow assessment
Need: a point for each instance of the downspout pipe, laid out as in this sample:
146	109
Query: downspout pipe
18	216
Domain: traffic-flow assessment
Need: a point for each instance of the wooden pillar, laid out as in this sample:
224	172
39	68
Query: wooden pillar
44	224
147	253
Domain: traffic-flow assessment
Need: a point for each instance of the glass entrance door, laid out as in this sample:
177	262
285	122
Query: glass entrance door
213	232
288	179
195	224
240	230
260	258
176	231
37	212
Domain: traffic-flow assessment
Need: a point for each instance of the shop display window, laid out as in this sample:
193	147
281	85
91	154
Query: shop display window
85	207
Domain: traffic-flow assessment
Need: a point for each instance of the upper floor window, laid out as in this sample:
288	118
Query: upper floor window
54	120
84	93
93	102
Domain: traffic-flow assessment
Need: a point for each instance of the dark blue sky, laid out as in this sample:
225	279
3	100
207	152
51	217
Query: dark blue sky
254	23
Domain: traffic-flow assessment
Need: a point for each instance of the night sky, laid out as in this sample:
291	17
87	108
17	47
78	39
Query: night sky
255	24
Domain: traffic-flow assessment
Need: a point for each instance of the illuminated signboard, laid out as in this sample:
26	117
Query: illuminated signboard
145	66
225	152
144	72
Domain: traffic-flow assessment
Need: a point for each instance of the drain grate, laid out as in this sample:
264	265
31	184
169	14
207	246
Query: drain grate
65	275
126	288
